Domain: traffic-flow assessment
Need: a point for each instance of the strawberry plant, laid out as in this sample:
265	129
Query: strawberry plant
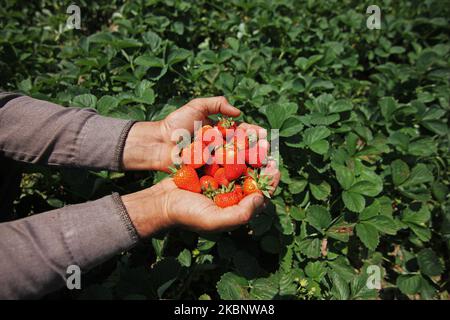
362	210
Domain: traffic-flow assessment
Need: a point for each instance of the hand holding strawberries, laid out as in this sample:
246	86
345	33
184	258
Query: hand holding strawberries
217	193
149	145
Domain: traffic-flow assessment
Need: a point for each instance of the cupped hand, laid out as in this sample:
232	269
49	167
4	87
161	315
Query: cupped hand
165	205
149	145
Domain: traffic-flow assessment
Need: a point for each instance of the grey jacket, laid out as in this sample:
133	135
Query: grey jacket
36	251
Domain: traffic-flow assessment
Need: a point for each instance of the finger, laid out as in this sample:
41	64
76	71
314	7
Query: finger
233	216
272	171
261	132
214	105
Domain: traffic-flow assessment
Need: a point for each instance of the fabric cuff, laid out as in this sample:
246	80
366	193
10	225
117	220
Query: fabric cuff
102	141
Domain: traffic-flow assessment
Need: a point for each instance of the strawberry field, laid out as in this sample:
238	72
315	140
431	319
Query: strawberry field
362	210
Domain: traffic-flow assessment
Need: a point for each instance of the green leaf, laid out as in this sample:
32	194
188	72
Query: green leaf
388	106
291	126
342	267
316	270
368	235
353	201
126	43
366	188
315	134
319	217
297	213
85	101
419	217
384	224
370	211
320	191
440	191
341	106
107	104
419	174
152	39
340	288
144	92
149	61
264	288
309	247
423	233
344	175
320	147
277	114
297	186
232	287
400	172
429	263
177	56
185	258
360	290
409	284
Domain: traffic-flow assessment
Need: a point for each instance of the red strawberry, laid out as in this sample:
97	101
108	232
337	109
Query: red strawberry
250	186
186	178
240	139
210	169
226	199
210	136
224	124
208	183
194	155
234	171
201	132
220	177
256	156
225	154
255	183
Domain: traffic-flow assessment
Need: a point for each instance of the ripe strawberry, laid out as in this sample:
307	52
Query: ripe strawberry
194	155
210	169
224	124
226	199
256	156
229	196
208	183
210	136
186	178
234	171
255	183
240	140
225	154
220	177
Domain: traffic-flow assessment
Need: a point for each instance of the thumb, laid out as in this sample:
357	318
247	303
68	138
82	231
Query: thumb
252	202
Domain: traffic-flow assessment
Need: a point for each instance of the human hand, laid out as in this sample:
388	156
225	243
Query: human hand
149	145
164	205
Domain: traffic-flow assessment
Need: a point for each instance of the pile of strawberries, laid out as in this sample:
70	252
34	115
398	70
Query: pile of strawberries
224	163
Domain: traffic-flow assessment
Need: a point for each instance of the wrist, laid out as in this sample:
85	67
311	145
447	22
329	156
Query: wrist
146	211
143	146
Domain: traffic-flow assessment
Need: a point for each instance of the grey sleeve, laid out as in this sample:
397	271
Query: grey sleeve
35	252
37	131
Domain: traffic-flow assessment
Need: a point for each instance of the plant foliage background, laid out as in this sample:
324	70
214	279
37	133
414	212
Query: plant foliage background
364	143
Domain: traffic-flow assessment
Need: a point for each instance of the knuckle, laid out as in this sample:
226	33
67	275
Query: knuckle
245	216
222	100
